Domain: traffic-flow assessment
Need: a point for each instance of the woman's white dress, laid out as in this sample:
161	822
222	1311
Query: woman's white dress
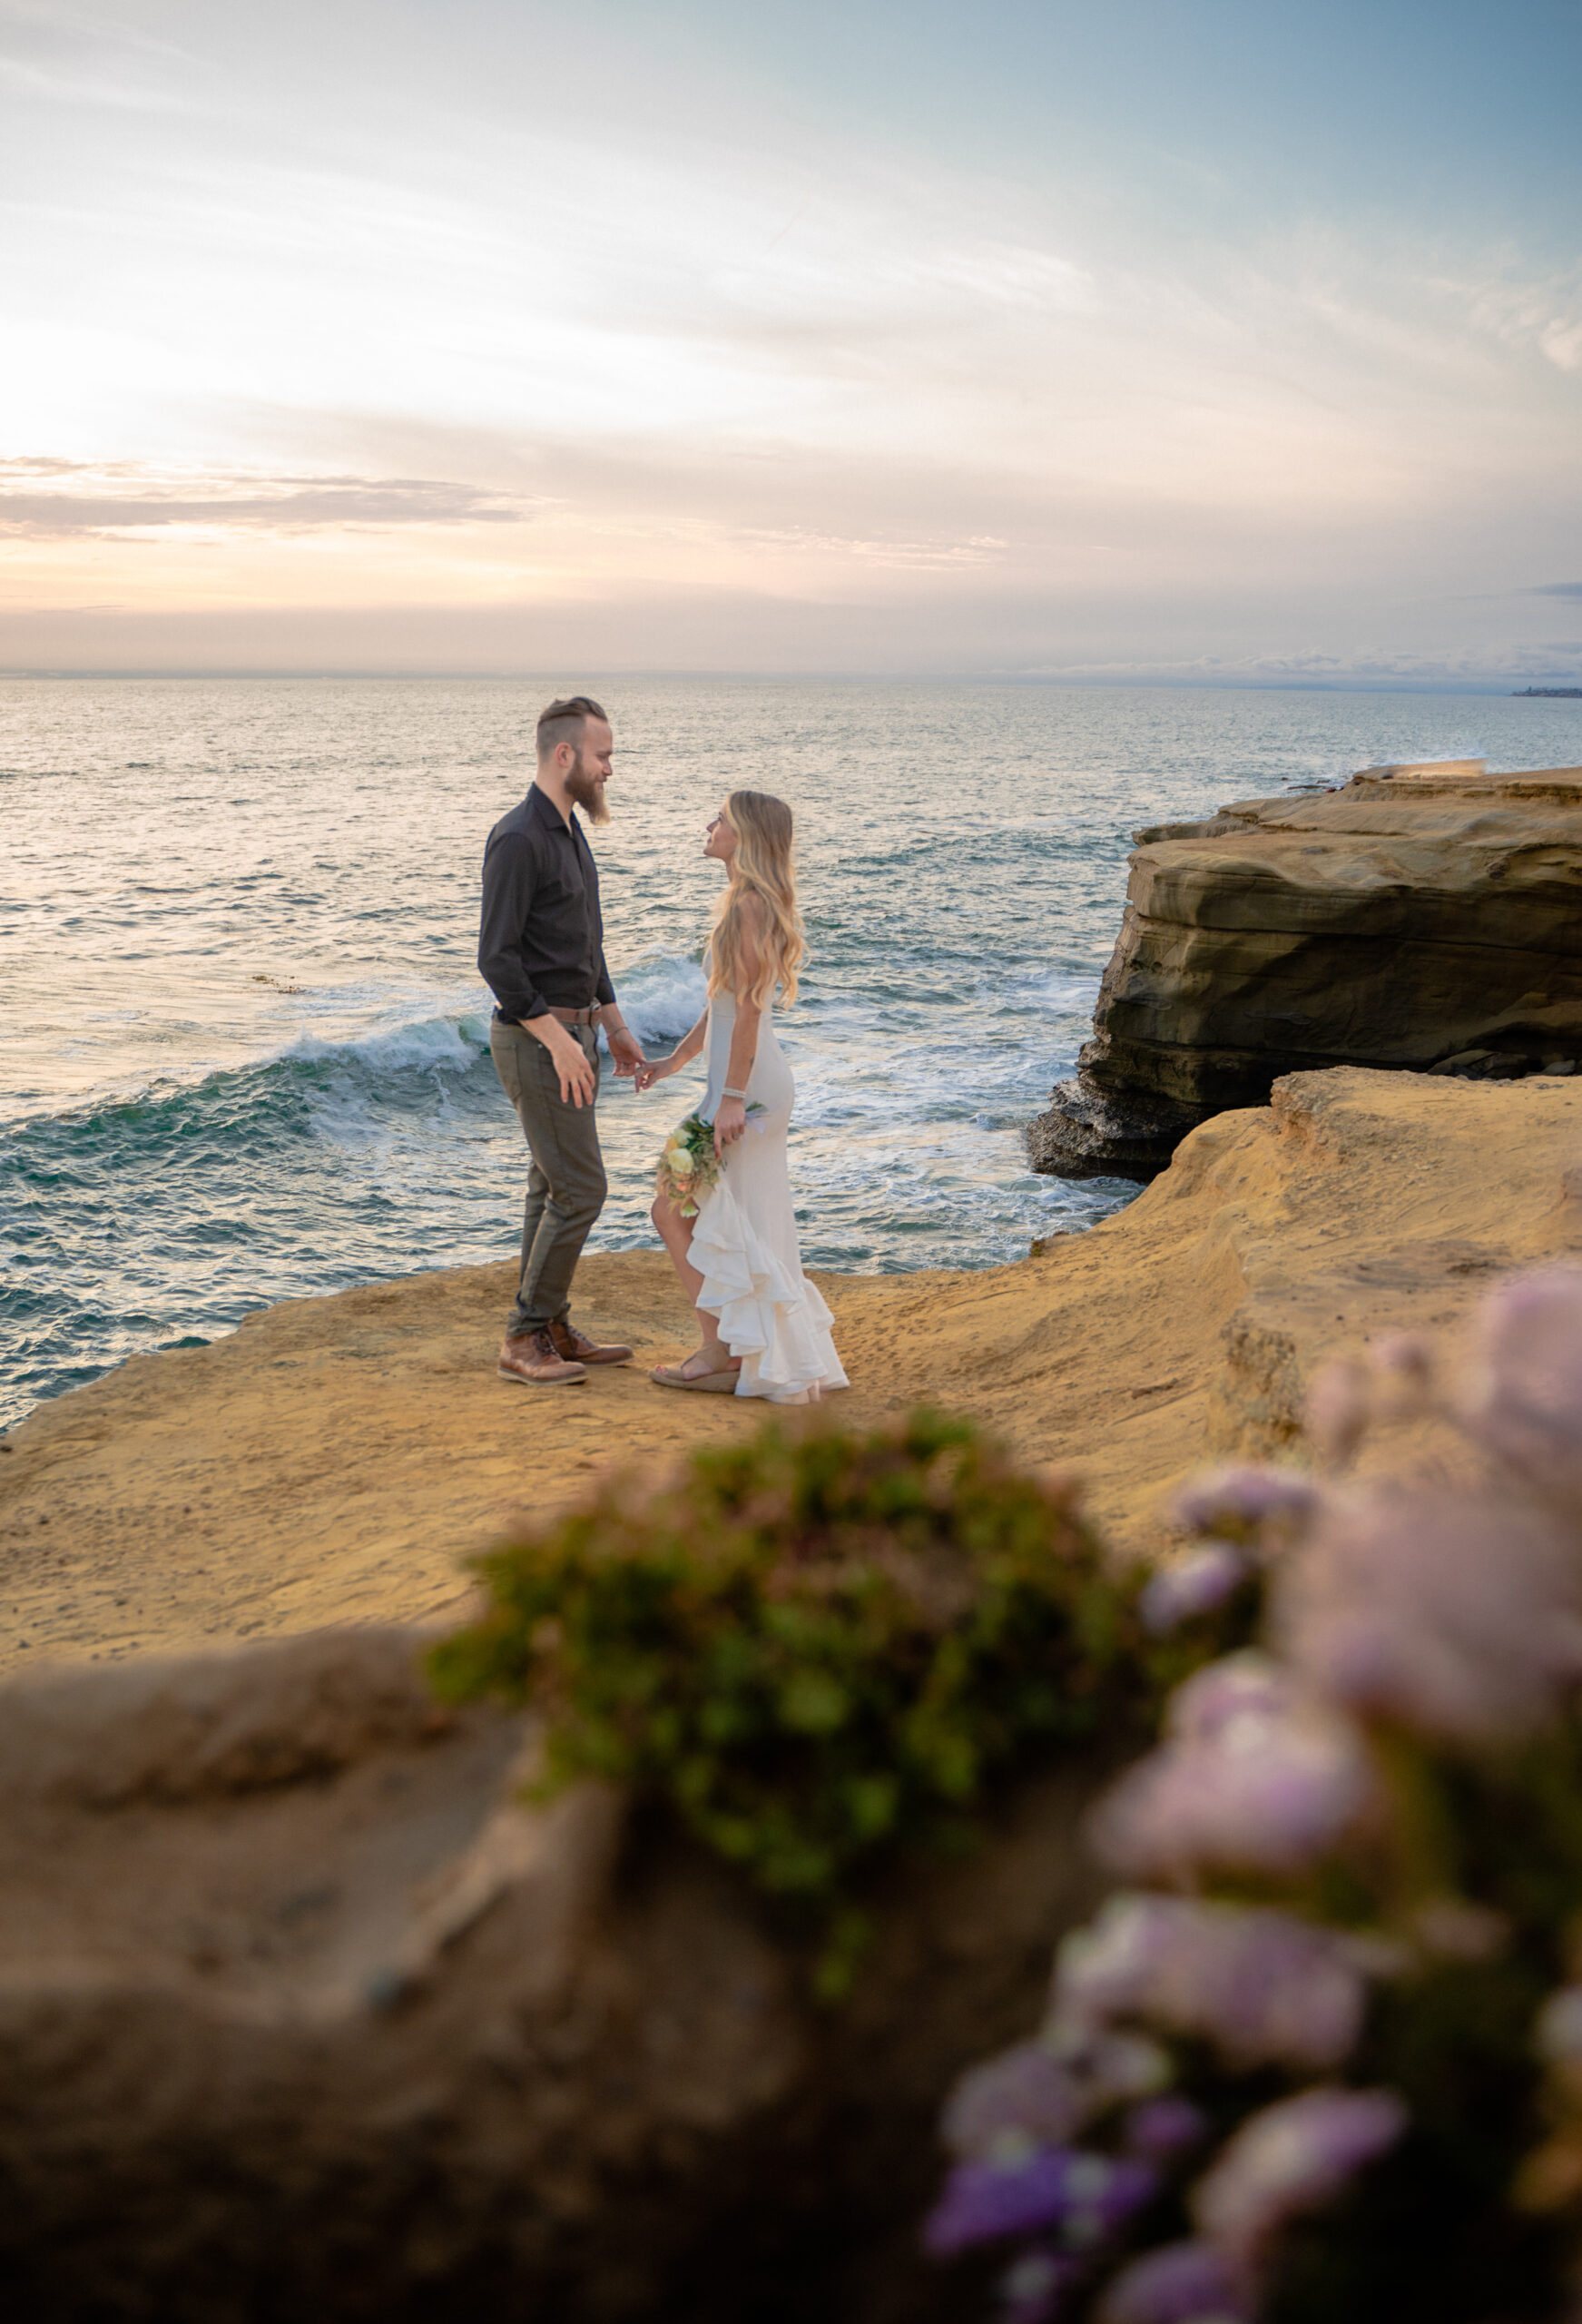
744	1237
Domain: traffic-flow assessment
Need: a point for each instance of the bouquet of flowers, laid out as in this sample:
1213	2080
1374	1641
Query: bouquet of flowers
689	1166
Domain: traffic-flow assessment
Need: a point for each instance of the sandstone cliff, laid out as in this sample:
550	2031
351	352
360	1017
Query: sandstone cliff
1427	918
302	2014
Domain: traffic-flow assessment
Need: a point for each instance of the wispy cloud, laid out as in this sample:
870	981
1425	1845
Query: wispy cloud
1544	313
62	55
46	498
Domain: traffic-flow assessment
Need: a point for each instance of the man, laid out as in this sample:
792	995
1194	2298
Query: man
541	950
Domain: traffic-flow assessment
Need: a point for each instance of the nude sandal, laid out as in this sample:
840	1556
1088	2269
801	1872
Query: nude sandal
719	1382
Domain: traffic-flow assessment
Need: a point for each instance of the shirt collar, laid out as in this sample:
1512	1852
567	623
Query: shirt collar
541	804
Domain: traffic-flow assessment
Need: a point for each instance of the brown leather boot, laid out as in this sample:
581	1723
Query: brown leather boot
533	1356
577	1348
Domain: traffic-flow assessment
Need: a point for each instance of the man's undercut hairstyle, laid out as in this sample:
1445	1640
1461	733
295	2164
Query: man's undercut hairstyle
563	722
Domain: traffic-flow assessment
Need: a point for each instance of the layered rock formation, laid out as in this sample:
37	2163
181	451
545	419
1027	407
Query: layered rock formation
1423	918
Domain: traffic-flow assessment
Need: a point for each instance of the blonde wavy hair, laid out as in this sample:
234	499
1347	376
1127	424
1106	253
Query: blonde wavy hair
761	867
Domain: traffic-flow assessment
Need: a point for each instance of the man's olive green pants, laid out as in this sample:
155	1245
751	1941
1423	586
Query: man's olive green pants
565	1180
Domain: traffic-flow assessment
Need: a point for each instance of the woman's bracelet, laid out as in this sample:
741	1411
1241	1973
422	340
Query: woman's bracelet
734	1093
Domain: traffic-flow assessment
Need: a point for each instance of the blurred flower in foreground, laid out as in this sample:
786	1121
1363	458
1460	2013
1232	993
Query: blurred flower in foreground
1192	1583
1255	1772
1032	2290
1258	1984
1239	1504
1023	2098
1163	2127
1294	2156
1526	1405
1403	1375
1456	1613
1182	2283
1041	2093
1339	1407
1087	2195
1388	1795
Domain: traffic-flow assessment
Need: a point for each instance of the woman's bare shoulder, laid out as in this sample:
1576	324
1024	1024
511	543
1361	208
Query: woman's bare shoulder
752	912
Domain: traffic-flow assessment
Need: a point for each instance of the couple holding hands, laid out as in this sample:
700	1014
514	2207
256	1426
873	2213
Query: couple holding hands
727	1219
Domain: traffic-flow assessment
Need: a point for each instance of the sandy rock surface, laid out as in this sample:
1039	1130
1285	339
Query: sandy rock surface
1403	923
334	1460
304	2015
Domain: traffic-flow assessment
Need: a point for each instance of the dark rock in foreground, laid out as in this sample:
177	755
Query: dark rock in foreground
304	2016
1426	919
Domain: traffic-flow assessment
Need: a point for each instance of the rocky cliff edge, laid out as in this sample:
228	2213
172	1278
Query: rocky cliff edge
1423	919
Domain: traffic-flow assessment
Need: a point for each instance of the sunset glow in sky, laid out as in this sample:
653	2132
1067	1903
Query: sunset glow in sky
1162	340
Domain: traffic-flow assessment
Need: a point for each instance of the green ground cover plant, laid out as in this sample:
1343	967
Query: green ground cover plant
817	1648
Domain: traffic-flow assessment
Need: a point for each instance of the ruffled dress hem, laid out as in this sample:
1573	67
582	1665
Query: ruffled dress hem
775	1321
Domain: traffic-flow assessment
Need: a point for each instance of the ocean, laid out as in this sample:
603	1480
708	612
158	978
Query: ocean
245	1046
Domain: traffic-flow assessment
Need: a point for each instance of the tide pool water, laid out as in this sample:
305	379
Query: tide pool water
245	1047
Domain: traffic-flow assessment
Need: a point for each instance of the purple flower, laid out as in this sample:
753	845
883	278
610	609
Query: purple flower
1262	1987
1294	2156
1221	1695
1162	2128
1193	1583
1240	1503
1024	2095
1033	2287
1087	2195
1339	1407
1457	1613
986	2198
1106	2069
1102	2191
1255	1773
1184	2283
1526	1405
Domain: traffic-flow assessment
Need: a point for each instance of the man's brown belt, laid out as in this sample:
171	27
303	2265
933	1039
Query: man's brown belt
577	1016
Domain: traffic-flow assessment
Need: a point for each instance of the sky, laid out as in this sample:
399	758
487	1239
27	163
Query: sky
1189	340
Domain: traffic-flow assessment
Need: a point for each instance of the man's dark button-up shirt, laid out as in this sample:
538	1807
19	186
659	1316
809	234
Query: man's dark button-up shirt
541	936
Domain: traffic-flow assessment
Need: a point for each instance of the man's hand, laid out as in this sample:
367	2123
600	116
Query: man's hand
625	1050
571	1061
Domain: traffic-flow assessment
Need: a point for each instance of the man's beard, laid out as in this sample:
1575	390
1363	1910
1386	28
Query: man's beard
585	790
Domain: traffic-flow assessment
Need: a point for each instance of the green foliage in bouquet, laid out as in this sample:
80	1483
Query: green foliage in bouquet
817	1648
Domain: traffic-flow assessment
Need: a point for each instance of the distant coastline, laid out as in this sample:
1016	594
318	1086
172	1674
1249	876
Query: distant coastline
1548	693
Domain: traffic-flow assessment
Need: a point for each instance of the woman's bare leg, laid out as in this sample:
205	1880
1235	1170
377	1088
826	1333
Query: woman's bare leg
676	1234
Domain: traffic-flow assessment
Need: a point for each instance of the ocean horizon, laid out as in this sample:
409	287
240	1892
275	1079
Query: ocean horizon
1451	689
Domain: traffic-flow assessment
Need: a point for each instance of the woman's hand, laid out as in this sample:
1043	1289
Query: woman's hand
657	1068
729	1124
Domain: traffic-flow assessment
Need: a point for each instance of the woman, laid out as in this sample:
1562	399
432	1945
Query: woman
765	1330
